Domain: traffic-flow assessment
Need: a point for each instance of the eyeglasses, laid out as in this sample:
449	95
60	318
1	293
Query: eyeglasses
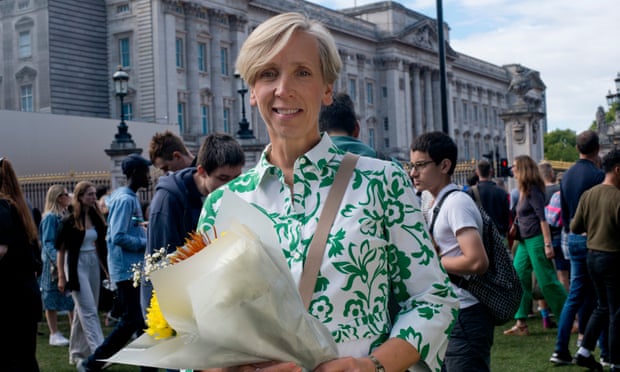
63	194
417	166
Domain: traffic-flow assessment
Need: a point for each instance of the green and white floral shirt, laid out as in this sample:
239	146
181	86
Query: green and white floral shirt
379	243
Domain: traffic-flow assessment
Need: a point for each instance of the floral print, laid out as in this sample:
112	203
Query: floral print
379	247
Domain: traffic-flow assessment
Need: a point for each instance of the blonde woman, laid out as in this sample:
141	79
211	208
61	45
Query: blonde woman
56	202
82	255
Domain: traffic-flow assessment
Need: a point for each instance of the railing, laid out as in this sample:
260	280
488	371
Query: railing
35	186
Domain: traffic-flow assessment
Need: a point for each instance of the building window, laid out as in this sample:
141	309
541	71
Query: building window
224	61
128	110
353	89
226	120
25	44
386	143
181	116
370	97
179	52
476	114
477	148
371	137
123	52
26	98
384	92
204	118
465	118
123	8
466	146
386	124
202	57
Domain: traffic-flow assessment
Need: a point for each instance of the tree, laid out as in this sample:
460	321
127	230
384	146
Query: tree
560	145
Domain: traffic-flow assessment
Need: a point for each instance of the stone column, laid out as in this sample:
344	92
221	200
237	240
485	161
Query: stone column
417	102
428	101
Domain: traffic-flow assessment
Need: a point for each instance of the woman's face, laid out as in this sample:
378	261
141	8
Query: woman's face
290	89
89	198
63	199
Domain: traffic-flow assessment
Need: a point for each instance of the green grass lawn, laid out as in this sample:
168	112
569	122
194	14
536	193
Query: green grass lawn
509	353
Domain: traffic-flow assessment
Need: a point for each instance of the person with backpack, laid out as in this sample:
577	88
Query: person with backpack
455	230
492	198
178	197
534	251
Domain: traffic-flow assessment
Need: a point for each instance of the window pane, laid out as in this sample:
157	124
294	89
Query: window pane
123	51
202	57
25	45
181	115
353	89
128	110
224	61
370	98
26	98
179	52
226	120
204	118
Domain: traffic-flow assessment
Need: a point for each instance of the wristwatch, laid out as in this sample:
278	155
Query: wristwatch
378	366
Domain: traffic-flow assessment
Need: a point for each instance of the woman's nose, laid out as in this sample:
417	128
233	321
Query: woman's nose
283	87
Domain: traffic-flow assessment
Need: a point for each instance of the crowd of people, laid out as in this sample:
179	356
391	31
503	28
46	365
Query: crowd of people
400	238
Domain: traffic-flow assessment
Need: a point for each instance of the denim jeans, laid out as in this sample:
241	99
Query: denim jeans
469	348
131	321
603	268
581	292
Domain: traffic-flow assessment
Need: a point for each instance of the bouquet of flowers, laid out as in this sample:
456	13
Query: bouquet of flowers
231	303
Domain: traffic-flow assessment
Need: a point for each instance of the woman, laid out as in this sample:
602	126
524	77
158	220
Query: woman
81	256
534	251
56	202
378	242
20	308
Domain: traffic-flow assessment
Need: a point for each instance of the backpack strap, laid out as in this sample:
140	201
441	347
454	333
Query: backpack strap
476	192
437	208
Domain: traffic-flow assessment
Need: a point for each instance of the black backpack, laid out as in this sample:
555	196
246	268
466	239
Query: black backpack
499	288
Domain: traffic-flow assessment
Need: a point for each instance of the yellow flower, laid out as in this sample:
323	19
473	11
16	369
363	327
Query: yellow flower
157	325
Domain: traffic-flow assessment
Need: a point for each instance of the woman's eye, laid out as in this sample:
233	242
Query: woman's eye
304	73
267	74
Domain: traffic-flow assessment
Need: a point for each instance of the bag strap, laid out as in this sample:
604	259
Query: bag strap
319	240
437	208
476	192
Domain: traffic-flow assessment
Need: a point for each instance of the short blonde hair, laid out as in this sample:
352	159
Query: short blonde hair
270	37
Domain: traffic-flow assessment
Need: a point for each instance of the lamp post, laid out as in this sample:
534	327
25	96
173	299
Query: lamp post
613	100
121	78
244	131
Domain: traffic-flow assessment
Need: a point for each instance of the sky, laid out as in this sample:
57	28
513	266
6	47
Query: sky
574	44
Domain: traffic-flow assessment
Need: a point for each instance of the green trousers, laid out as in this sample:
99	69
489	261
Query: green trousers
530	256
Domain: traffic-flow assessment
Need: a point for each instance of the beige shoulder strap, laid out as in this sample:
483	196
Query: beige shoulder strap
328	214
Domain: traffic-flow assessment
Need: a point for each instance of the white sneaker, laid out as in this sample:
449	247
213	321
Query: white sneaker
57	339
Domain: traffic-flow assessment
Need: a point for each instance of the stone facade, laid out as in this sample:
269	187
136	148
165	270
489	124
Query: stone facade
180	57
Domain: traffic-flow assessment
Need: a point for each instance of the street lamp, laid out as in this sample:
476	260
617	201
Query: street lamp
121	79
614	98
244	131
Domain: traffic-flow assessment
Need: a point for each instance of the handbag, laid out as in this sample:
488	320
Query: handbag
515	233
328	214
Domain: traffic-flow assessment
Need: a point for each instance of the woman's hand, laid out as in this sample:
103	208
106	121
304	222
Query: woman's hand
62	282
549	253
259	367
348	364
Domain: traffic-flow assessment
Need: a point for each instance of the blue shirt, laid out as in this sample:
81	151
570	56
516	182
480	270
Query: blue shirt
126	237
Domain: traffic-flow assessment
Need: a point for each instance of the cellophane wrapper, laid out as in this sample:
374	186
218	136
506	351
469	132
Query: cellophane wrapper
234	302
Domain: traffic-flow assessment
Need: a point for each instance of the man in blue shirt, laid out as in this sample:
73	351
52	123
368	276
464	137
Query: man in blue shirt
126	238
584	174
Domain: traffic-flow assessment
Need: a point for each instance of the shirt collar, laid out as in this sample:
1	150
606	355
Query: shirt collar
319	156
